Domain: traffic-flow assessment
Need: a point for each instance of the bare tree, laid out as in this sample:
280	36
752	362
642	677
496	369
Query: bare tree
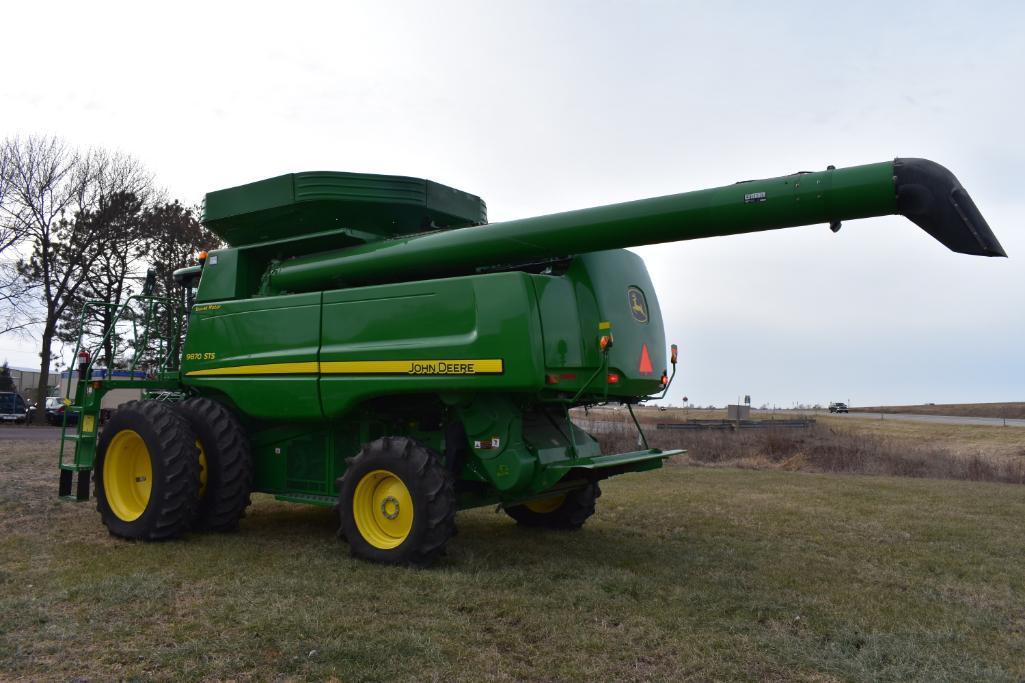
57	199
119	217
18	309
120	189
10	231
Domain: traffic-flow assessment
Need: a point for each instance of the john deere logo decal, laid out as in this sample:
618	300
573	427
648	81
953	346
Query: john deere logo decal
638	306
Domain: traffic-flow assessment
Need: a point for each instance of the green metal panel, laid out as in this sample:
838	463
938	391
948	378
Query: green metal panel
435	336
302	203
591	300
260	353
220	278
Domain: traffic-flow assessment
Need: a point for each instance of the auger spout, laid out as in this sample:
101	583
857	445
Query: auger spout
922	190
933	199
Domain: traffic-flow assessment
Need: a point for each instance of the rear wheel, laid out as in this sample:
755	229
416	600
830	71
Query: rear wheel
147	467
568	511
397	503
226	464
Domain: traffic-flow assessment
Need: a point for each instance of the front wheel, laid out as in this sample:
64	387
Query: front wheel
147	472
226	464
397	503
568	511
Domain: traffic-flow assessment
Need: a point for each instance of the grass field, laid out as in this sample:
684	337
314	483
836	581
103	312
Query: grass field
1014	410
835	443
685	573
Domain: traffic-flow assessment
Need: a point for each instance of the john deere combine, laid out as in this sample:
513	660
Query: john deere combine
370	343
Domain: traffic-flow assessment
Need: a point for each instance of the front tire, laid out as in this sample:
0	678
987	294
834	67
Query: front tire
147	472
568	512
226	464
397	503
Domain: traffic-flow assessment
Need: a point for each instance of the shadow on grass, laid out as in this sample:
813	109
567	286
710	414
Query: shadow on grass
484	540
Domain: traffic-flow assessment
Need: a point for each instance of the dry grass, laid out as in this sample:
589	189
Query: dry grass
988	441
1014	410
684	574
841	444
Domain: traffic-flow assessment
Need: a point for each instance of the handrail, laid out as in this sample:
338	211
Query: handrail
151	302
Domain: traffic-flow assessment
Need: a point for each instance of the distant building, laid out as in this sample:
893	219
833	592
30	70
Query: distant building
26	381
738	412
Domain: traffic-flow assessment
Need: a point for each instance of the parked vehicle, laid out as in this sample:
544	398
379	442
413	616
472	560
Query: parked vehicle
55	409
12	407
838	407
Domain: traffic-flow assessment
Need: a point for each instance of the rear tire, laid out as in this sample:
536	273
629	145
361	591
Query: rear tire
568	512
147	472
397	503
226	464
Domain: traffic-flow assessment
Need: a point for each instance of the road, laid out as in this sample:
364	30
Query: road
23	433
942	419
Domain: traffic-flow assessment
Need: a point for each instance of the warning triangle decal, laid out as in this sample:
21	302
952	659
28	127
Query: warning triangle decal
645	365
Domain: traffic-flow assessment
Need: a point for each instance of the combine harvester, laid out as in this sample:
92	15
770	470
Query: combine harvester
370	343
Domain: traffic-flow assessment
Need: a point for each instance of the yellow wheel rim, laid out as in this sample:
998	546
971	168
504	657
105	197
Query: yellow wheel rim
203	471
545	505
382	509
127	475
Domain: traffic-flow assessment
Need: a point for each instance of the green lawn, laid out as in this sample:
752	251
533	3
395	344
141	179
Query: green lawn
684	573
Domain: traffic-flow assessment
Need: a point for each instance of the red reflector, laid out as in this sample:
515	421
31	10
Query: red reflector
645	365
551	379
568	375
613	378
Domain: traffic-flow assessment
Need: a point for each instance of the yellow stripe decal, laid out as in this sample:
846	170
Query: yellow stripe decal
478	366
605	325
266	369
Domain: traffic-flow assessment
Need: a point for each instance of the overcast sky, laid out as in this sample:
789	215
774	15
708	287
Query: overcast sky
548	106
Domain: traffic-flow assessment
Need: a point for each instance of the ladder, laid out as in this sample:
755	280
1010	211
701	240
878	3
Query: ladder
78	459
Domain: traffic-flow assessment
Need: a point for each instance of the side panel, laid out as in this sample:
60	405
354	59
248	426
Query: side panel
260	353
477	333
626	299
602	293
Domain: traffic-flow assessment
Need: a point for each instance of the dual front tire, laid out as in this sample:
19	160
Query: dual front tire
163	469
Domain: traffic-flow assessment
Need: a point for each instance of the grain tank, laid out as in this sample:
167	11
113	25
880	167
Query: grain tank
370	343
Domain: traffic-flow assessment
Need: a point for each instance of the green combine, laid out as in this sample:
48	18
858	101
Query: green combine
370	343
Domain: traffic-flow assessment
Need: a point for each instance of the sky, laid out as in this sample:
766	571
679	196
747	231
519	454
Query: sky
541	107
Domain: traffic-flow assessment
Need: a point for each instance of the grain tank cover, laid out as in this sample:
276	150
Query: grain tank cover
372	206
